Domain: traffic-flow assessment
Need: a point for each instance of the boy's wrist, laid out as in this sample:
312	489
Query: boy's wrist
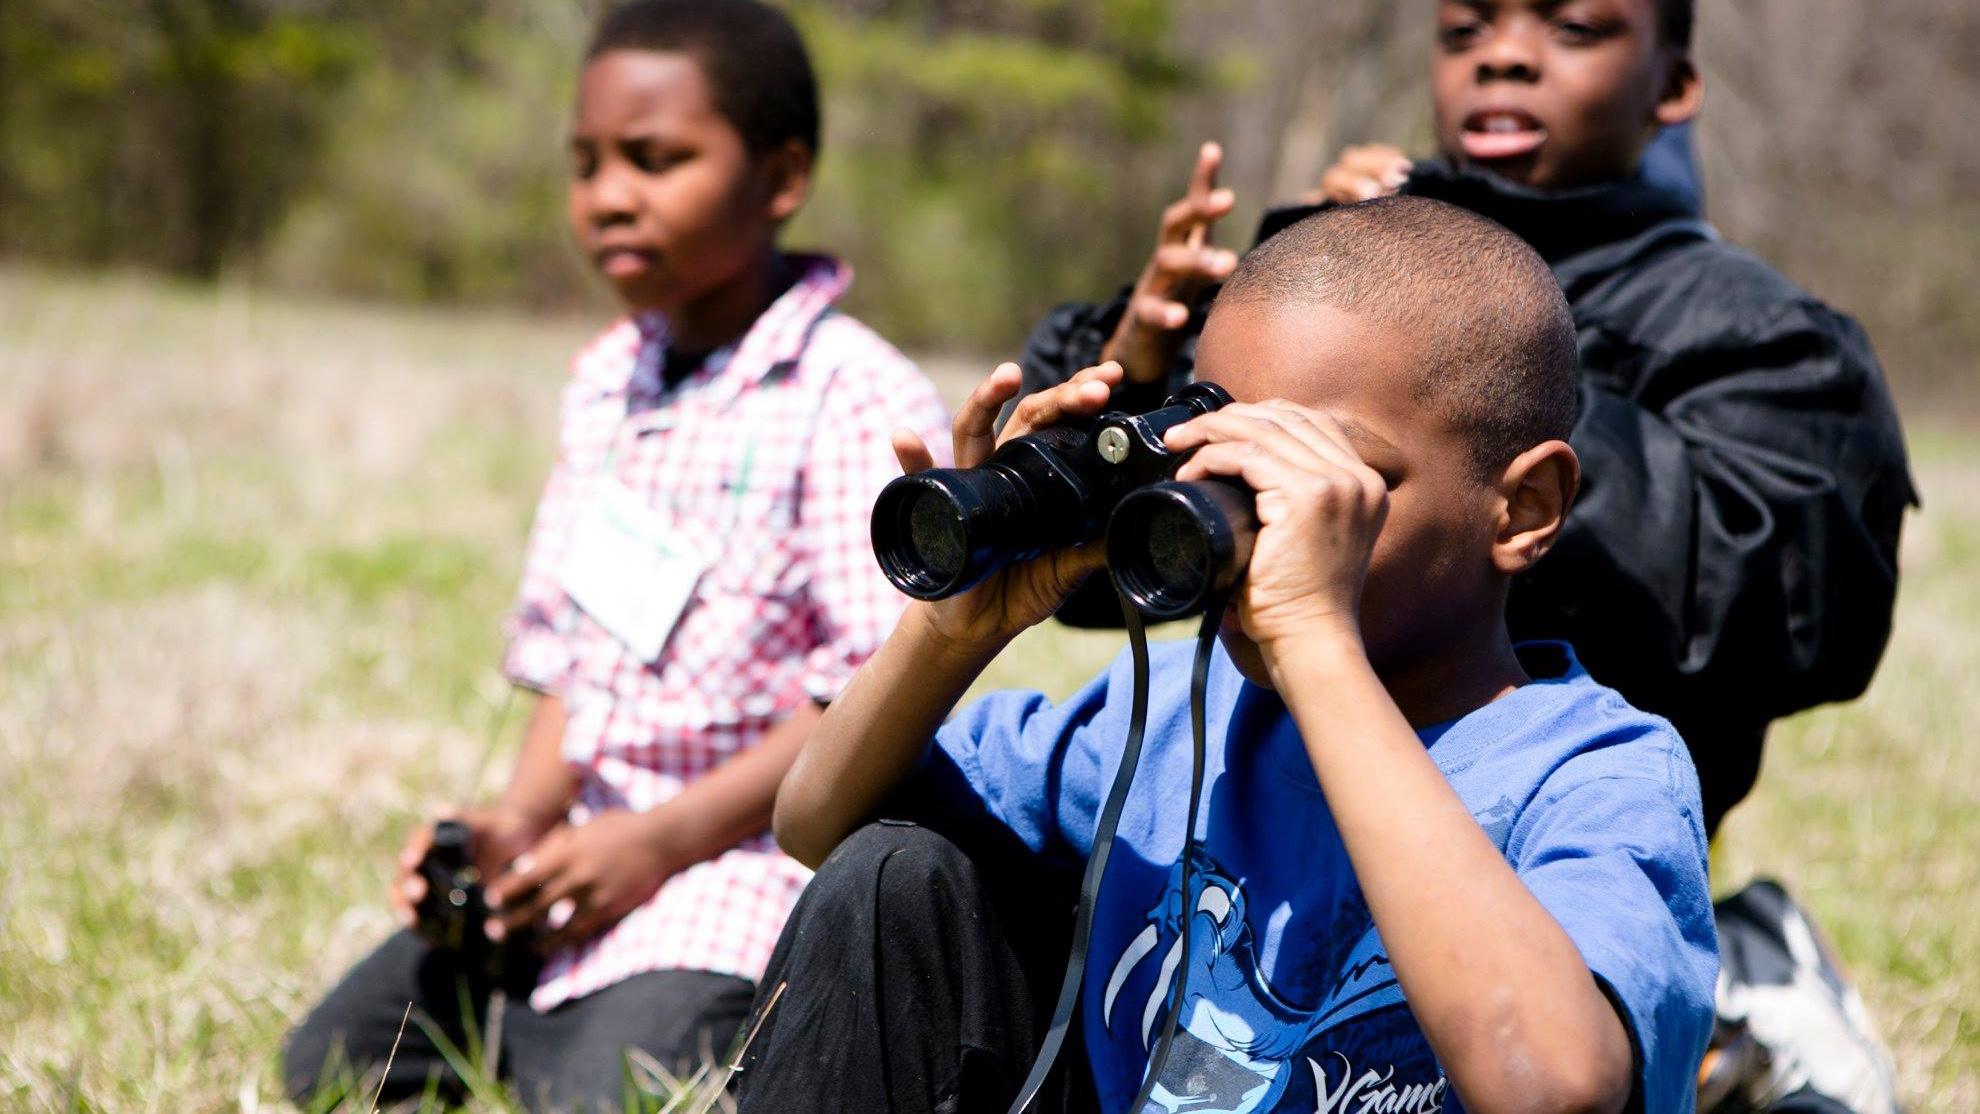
530	819
1144	353
934	641
1316	648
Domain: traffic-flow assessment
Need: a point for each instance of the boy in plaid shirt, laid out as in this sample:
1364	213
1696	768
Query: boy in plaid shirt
698	583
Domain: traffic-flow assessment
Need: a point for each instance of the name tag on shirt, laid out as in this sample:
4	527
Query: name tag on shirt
630	569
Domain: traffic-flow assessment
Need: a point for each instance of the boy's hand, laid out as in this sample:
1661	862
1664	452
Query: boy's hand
498	835
1183	264
1363	171
1319	511
1026	594
578	881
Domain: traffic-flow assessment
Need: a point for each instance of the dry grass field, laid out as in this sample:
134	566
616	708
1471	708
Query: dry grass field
252	554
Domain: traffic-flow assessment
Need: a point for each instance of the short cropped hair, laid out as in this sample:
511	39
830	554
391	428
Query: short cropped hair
1494	334
1674	19
755	62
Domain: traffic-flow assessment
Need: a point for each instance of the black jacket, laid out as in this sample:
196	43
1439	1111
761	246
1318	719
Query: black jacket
1732	557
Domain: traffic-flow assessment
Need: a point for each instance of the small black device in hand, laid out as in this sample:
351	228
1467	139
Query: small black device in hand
453	916
1171	546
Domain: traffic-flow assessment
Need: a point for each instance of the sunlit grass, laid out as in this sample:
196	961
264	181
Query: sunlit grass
252	558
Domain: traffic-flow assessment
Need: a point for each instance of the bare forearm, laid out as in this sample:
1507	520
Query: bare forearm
734	800
542	785
873	735
1500	990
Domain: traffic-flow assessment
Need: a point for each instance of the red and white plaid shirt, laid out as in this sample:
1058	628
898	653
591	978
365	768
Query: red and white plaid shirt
774	450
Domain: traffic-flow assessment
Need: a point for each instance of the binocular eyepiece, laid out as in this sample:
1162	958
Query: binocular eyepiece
1170	545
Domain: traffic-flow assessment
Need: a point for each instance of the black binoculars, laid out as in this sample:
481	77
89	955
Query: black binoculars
1171	546
453	916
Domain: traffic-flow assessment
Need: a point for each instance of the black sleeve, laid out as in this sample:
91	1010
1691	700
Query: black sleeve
1070	338
1733	553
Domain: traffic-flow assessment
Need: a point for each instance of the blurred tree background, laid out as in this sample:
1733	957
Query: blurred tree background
983	158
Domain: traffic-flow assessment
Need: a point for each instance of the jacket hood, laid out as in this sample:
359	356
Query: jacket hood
1558	223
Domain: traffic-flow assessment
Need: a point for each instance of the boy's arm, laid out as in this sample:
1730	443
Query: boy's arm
879	728
1513	1013
1503	995
874	734
540	790
1150	327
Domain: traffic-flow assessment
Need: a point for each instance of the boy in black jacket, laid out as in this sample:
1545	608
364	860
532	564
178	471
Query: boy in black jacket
1732	558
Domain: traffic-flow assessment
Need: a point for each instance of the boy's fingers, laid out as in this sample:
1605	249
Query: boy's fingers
415	847
912	452
1322	437
1078	397
1106	371
1363	171
584	920
1329	429
1209	159
1358	492
1261	469
1234	425
1085	393
1076	563
1160	313
420	839
1319	431
1186	265
407	891
1190	215
1381	162
529	871
1345	186
975	428
525	909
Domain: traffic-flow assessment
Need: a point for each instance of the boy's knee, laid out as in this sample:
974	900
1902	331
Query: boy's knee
893	863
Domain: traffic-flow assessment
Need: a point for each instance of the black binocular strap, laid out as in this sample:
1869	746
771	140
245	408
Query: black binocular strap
1103	843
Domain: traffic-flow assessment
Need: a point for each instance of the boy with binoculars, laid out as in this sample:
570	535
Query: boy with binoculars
1432	870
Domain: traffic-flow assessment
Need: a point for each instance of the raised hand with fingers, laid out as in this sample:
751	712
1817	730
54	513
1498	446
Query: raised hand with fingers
1364	171
1024	594
1182	266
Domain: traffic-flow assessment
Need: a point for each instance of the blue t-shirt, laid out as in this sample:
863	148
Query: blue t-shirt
1291	1001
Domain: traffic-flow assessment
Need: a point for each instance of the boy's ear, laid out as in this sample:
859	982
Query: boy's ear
1537	487
786	170
1683	92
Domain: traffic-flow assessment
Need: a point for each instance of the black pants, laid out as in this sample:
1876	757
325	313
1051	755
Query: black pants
914	980
571	1058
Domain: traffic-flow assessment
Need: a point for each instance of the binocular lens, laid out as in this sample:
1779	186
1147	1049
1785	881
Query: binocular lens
921	535
1171	545
1178	553
935	534
942	531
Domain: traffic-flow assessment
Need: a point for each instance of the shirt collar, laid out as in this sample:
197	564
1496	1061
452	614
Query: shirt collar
775	340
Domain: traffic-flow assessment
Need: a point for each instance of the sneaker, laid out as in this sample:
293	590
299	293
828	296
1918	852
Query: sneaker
1792	1032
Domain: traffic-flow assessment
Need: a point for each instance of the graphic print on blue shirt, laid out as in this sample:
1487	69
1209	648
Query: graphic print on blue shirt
1241	1044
